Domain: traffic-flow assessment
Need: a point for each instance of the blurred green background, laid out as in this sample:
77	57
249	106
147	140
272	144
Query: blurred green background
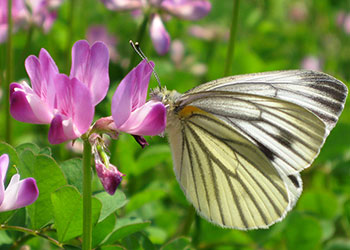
271	35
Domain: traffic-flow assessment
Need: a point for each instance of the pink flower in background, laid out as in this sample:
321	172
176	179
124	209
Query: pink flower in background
43	12
343	21
19	193
311	63
183	9
19	15
66	103
130	111
100	33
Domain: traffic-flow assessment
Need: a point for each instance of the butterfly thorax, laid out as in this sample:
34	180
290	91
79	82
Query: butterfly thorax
169	99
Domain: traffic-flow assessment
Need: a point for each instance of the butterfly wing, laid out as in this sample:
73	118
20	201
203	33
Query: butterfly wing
318	92
226	177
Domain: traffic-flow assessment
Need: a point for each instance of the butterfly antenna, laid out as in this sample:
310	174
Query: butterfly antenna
136	47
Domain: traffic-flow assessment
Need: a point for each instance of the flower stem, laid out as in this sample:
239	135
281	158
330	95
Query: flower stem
71	23
28	41
87	221
31	232
233	32
139	39
9	58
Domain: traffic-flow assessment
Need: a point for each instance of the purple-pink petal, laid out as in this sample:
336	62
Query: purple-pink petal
187	9
150	119
121	5
41	72
109	177
90	66
4	162
131	92
19	193
26	106
160	37
75	110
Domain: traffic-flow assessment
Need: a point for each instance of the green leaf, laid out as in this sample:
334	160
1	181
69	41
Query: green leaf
323	204
46	151
303	232
177	244
138	241
4	216
151	157
4	238
338	244
113	247
73	170
68	212
14	159
110	203
49	177
103	229
145	196
28	146
125	227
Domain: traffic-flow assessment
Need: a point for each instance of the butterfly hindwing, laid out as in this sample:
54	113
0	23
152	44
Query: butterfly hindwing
225	176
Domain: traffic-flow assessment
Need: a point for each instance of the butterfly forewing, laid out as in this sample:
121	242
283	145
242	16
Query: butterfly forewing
318	92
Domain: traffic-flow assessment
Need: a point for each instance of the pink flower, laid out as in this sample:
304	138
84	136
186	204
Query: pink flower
130	111
18	193
311	63
100	33
43	12
109	176
19	14
183	9
67	104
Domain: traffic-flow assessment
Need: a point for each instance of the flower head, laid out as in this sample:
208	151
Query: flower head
130	111
109	175
19	193
67	103
183	9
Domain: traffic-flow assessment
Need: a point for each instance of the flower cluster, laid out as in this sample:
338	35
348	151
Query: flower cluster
67	103
41	13
183	9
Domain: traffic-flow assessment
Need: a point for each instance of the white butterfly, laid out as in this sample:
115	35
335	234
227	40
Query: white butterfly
239	143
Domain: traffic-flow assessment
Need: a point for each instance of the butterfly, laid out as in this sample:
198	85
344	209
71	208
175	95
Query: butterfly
239	143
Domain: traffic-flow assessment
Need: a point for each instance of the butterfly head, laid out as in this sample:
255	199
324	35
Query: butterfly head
167	97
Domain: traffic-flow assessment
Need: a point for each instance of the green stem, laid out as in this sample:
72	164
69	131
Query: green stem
28	41
70	34
139	39
233	31
87	221
31	232
9	58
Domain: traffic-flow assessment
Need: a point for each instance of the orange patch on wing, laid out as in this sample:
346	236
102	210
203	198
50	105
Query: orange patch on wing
187	111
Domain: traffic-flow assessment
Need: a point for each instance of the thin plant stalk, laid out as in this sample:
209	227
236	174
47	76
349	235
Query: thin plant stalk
71	11
9	64
139	39
87	221
233	31
31	232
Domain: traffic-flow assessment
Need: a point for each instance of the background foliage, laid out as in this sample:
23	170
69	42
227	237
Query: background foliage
149	211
